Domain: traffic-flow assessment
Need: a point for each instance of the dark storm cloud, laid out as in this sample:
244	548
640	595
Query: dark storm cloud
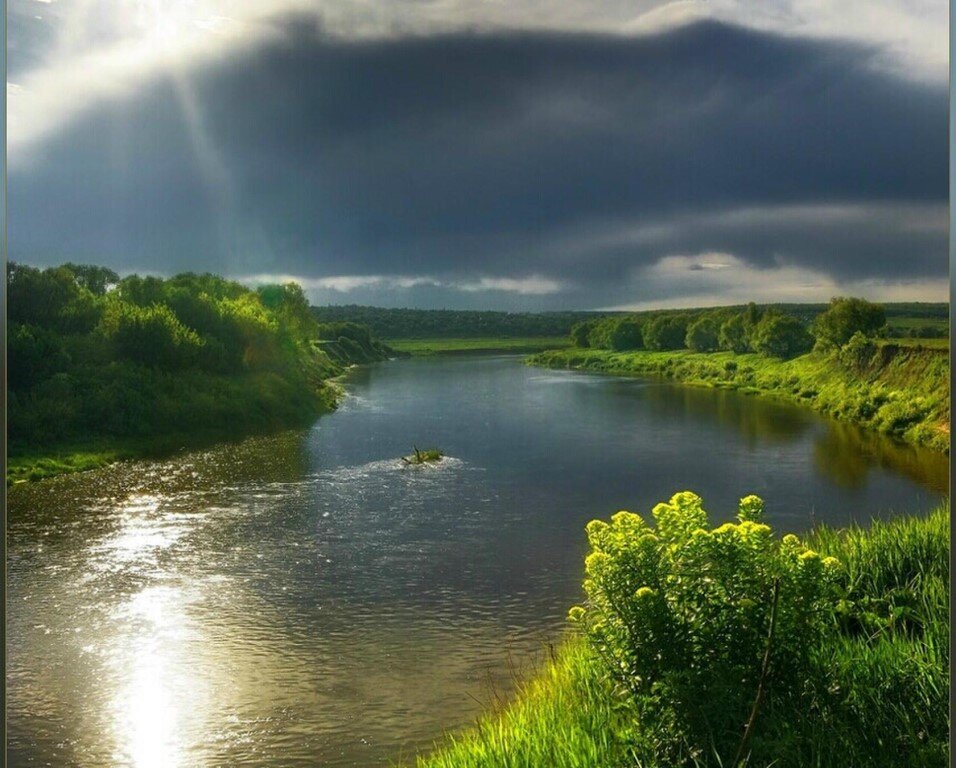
576	157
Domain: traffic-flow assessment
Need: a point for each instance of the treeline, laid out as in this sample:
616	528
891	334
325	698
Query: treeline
914	320
92	355
769	330
450	323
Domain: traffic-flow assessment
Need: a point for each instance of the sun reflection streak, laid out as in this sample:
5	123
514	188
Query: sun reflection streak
154	689
158	695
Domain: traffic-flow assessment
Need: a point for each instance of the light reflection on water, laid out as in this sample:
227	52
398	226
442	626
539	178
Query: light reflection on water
304	600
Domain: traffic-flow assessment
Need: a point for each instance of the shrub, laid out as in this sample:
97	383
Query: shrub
626	334
781	336
845	317
666	332
732	335
857	352
579	334
702	335
692	622
151	335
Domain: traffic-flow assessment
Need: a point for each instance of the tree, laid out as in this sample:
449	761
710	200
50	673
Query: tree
732	335
666	332
702	335
845	317
151	336
95	279
627	334
49	298
579	334
783	336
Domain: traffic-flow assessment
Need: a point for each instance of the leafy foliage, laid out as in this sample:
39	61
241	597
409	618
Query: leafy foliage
93	355
452	323
626	333
702	335
877	693
782	336
579	334
845	317
666	332
733	335
682	616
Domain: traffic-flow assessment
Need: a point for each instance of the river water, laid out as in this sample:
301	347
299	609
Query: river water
303	600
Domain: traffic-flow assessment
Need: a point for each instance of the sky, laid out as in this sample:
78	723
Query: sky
488	154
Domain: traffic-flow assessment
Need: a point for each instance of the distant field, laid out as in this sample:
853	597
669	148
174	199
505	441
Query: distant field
927	343
914	321
524	345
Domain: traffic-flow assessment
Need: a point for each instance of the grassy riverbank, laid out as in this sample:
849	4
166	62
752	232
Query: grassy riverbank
187	412
902	391
479	346
886	663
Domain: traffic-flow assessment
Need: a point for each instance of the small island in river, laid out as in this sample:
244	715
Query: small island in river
428	456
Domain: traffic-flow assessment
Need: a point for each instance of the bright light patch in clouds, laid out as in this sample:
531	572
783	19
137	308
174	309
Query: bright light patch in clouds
527	286
102	50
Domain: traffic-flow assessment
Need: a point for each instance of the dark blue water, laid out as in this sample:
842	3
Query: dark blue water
303	599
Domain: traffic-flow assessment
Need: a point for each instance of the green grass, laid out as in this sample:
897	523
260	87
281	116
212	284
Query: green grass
887	665
903	391
564	718
524	345
24	468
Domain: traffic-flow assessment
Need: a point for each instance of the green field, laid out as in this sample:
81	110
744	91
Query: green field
880	697
915	342
523	345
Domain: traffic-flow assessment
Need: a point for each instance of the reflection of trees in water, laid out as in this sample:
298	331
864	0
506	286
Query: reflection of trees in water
845	454
278	458
757	420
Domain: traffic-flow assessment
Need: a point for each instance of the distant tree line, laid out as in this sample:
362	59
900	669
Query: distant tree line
451	323
448	323
90	353
765	330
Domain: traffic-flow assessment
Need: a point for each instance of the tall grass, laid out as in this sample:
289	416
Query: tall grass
881	699
565	718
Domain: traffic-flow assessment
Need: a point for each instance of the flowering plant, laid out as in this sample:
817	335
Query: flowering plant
702	626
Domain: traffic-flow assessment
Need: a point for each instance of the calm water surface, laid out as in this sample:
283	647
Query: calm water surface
302	600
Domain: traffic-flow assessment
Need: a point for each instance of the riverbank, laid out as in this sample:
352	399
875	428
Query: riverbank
235	408
886	704
900	391
479	346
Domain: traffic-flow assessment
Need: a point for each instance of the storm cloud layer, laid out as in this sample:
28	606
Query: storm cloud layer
506	169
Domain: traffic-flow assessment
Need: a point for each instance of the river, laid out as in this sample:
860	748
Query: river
303	600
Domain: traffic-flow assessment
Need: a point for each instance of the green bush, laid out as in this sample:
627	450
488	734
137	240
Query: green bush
692	622
626	334
702	335
666	332
732	335
579	334
782	336
845	317
857	353
151	335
